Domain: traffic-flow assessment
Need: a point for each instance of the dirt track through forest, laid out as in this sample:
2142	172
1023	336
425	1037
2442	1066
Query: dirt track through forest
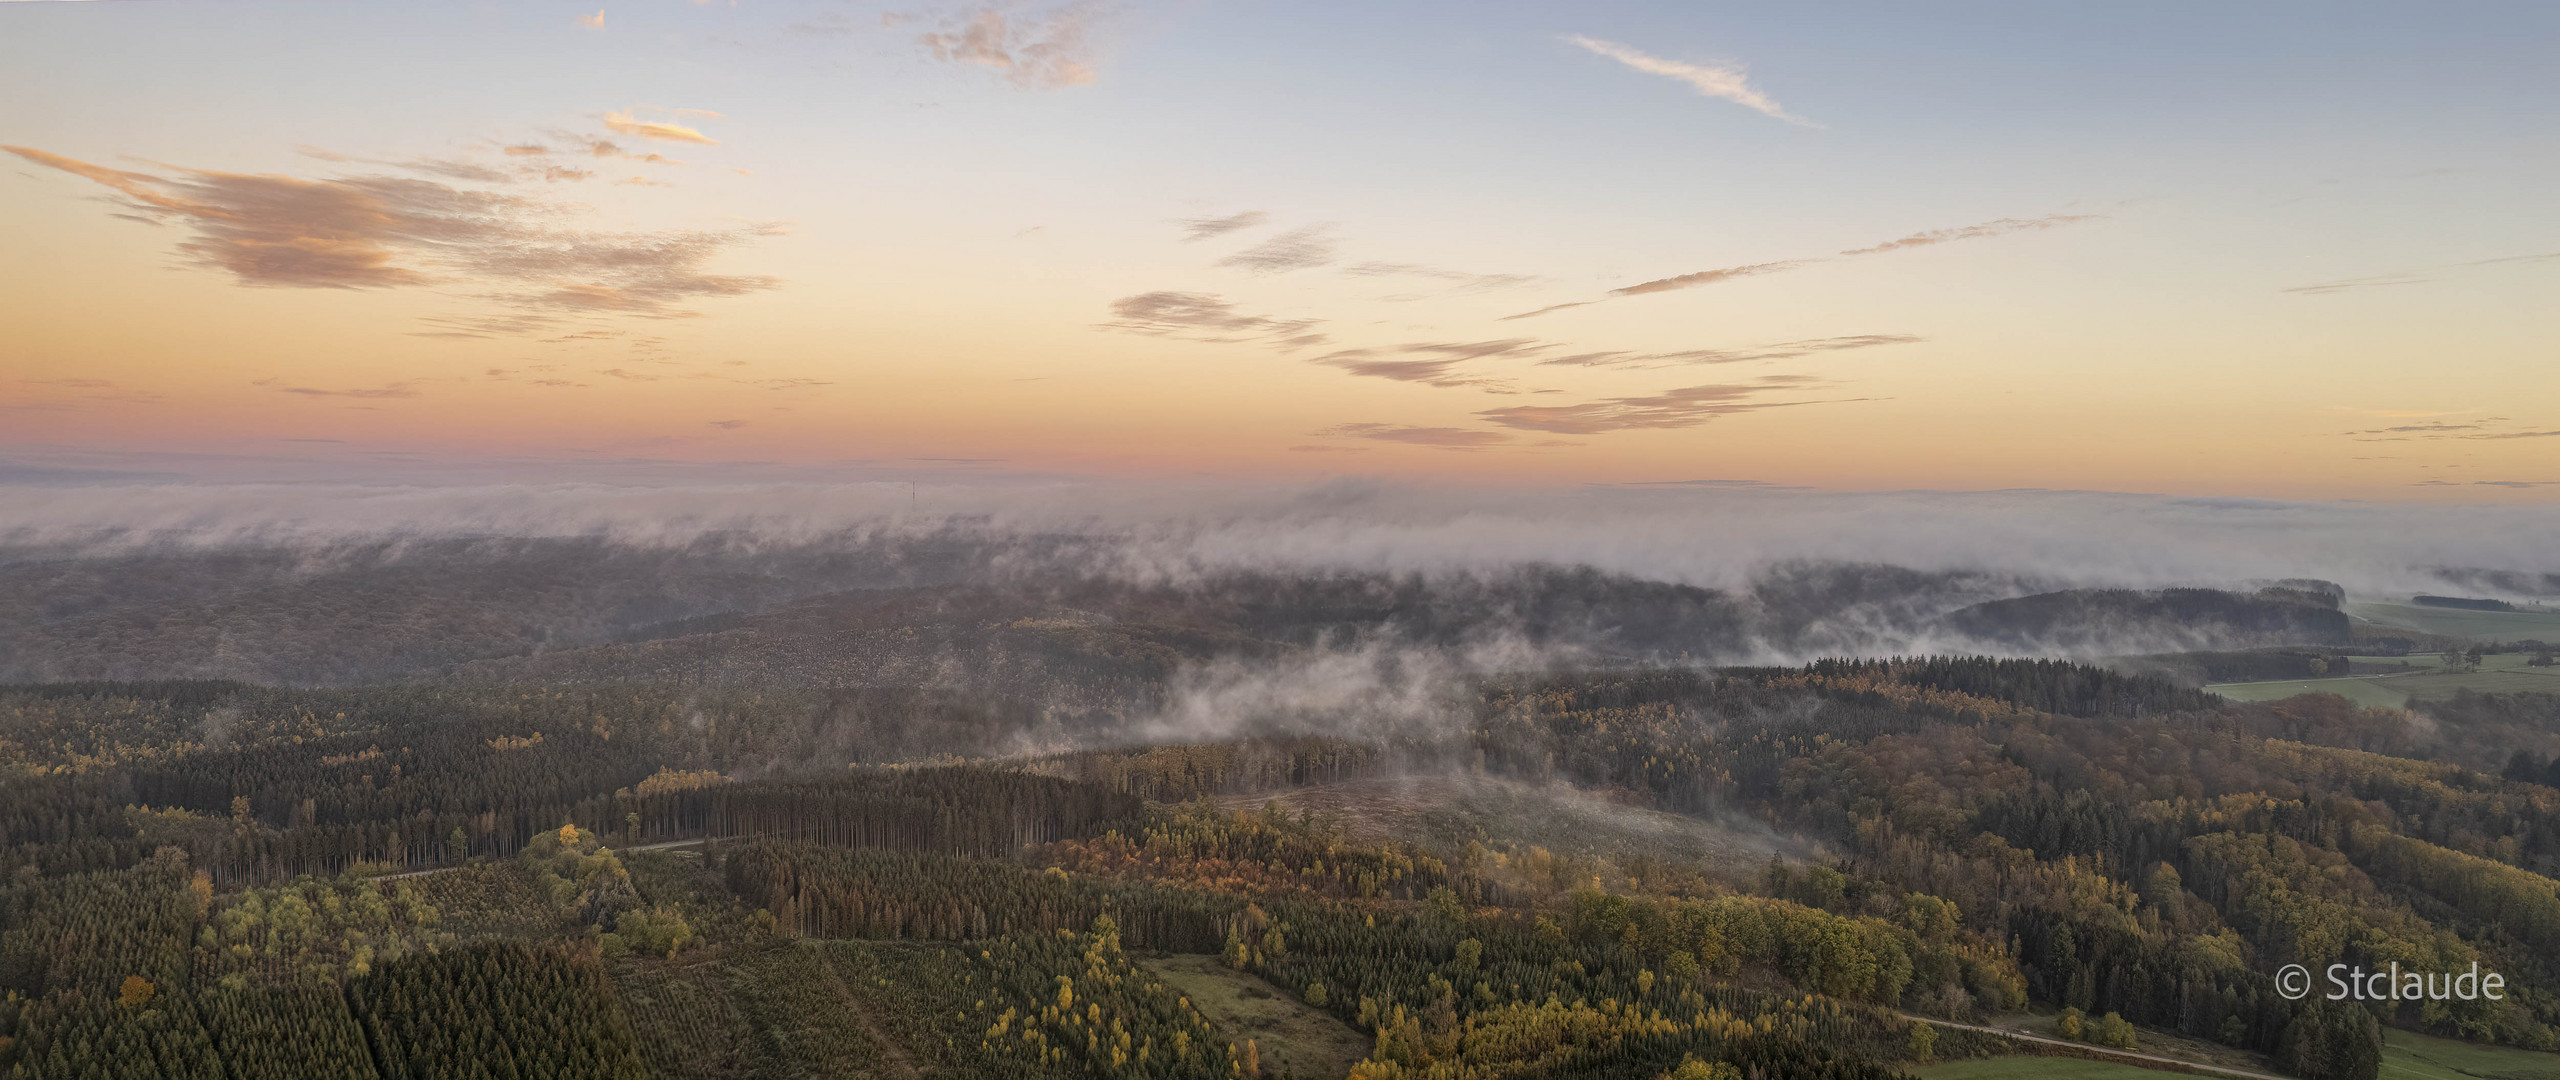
2127	1055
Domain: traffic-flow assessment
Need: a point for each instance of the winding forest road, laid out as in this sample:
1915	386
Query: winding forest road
617	851
2129	1055
663	845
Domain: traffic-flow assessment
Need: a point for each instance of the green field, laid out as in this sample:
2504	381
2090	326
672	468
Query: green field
2405	1056
2456	622
2505	673
2030	1067
2408	1056
2363	690
1297	1042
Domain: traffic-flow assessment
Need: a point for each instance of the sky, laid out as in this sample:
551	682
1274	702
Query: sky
2298	251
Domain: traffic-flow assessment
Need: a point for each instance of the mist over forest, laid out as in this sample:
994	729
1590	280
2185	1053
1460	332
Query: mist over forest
332	584
1163	540
1356	779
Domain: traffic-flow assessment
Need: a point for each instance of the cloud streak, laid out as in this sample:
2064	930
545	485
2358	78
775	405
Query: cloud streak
627	124
2438	430
1296	249
1192	316
1705	277
78	393
1204	228
1208	317
1687	406
2001	227
1464	281
1433	363
2417	277
595	148
368	232
1728	83
1437	438
377	393
477	173
1778	351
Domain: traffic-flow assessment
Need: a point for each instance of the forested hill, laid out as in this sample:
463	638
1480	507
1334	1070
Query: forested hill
2092	621
1063	614
212	879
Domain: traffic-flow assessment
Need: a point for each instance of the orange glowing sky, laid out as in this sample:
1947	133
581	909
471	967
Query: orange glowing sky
2285	253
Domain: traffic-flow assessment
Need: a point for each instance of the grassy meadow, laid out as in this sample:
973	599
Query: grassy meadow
2504	673
1296	1041
2032	1067
2458	622
2410	1056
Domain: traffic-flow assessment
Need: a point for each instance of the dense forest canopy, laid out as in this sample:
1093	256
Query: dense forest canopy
1026	611
558	809
1991	834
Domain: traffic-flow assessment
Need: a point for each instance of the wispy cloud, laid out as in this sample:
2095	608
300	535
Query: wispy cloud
456	169
1204	228
2361	283
1195	316
516	167
1296	249
2001	227
1777	351
1463	280
1044	50
1669	284
1727	82
664	131
1437	438
1441	373
404	389
1531	314
2437	430
1207	317
2403	429
76	393
485	326
1705	277
1433	363
392	232
2418	277
591	147
1688	406
592	22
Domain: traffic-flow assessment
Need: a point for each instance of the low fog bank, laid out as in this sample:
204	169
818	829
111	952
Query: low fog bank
1194	607
1710	537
